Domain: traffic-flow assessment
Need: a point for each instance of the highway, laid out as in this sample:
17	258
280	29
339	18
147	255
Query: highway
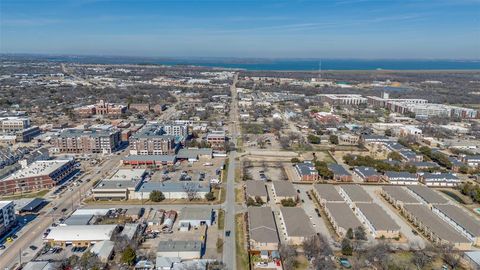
229	251
32	232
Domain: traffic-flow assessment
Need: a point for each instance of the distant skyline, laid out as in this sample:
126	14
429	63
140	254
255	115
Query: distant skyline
359	29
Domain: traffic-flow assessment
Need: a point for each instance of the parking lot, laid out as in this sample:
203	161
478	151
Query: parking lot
268	172
187	171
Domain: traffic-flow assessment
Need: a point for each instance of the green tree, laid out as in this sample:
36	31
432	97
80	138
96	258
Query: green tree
156	196
251	202
128	256
349	234
333	139
258	200
288	202
394	156
313	139
295	160
347	248
210	196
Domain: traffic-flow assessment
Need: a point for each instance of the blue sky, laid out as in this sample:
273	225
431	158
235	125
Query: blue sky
281	29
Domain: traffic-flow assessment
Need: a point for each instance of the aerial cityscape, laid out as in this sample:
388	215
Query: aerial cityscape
123	150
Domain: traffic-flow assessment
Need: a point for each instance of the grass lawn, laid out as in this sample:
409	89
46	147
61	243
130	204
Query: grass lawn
302	263
242	255
221	219
26	195
457	197
239	198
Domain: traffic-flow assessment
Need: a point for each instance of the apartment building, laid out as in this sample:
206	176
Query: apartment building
7	216
42	174
151	140
343	99
77	141
306	171
440	179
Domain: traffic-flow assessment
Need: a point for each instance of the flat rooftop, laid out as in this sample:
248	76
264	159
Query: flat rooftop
297	223
400	194
427	194
4	203
128	174
38	168
461	217
379	219
262	226
81	233
435	224
356	193
174	245
255	188
328	192
343	215
195	213
284	189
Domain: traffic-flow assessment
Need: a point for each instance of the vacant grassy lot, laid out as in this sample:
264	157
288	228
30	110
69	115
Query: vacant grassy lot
25	195
242	255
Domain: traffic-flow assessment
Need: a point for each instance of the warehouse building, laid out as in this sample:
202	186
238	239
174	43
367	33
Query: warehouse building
262	231
297	225
354	194
254	189
463	222
283	190
149	160
401	178
173	190
195	217
379	223
398	196
79	235
436	229
326	193
341	217
195	154
185	250
427	195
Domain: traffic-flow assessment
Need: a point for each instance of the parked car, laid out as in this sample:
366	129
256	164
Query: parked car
227	233
2	247
32	247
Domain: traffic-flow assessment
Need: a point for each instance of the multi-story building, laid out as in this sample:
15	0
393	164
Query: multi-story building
101	108
13	124
217	139
175	130
151	140
42	174
19	129
87	141
343	99
7	216
440	179
306	171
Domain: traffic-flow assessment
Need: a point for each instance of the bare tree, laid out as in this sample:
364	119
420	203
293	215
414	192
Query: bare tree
191	190
288	254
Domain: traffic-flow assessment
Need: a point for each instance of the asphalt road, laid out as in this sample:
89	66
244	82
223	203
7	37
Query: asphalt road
229	251
10	258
